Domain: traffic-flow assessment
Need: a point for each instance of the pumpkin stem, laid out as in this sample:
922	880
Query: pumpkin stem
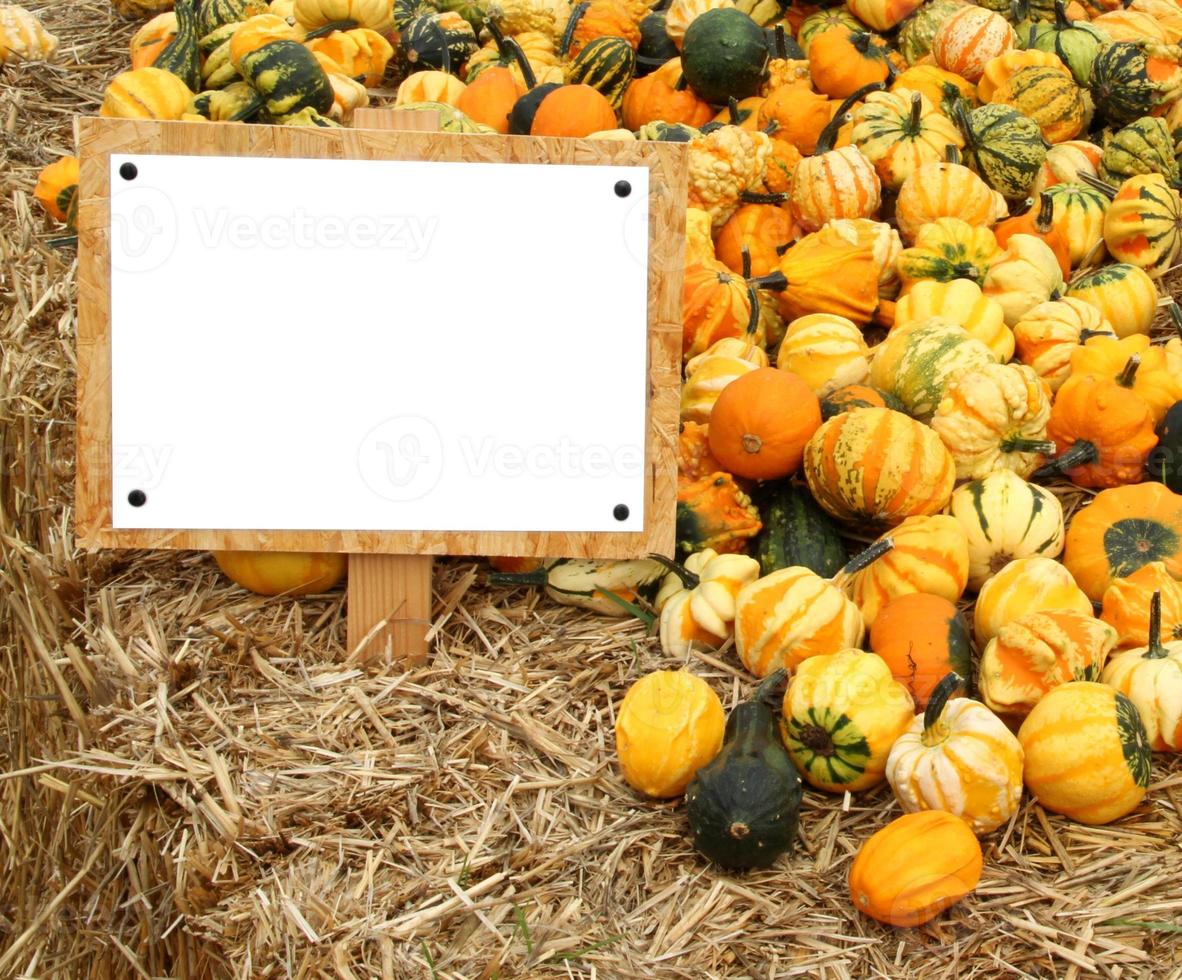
752	299
768	691
754	197
776	281
509	48
863	559
829	134
682	84
1129	375
916	109
1097	184
688	578
537	578
952	153
1085	335
732	108
1045	214
751	443
1019	445
1062	21
781	43
336	25
783	249
568	35
1155	650
1081	452
745	252
861	41
962	120
939	699
1175	312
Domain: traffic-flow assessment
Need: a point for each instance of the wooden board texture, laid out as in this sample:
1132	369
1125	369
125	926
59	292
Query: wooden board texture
97	138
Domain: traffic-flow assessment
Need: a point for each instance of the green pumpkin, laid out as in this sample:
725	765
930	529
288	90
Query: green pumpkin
215	13
917	31
180	55
1024	14
1076	43
521	116
743	806
1005	147
218	105
442	41
406	11
1145	146
286	78
606	64
1165	462
723	55
1125	86
796	532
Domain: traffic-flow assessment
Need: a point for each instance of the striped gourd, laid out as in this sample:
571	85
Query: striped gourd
916	33
712	370
839	183
1004	518
180	56
947	249
823	20
1048	334
970	38
784	618
899	132
1143	225
1002	68
826	350
216	13
443	41
1021	587
145	93
321	16
1151	677
1124	294
960	301
1145	146
286	78
1075	43
1005	147
877	465
607	65
1078	210
1131	25
930	555
1067	163
939	190
1050	97
917	363
1131	79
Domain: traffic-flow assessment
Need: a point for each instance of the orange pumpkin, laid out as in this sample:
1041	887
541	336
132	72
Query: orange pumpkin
761	422
601	18
797	115
286	573
946	190
969	39
57	188
715	303
573	110
922	638
842	60
763	229
1038	220
1127	600
152	38
490	97
667	99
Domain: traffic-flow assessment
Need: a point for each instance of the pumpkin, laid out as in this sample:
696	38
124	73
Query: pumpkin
1145	146
825	351
1048	334
714	512
699	241
1121	530
1130	25
998	71
1024	586
958	301
805	282
430	86
960	758
693	452
916	32
215	14
1066	163
922	638
707	374
899	131
941	87
761	422
1164	13
1162	465
715	304
657	97
1103	432
23	37
1022	277
1127	605
57	188
882	15
969	39
315	15
880	238
1133	363
1005	518
879	466
947	249
1087	753
145	93
573	110
1039	221
744	804
286	78
857	396
1036	653
669	725
929	555
1150	676
797	116
1075	42
490	97
252	34
1005	147
1135	78
946	190
362	53
152	38
844	60
516	17
914	868
916	363
1077	213
722	164
442	40
817	23
796	532
724	55
681	13
994	417
764	229
607	64
1143	225
286	573
842	713
696	601
529	52
221	105
1125	296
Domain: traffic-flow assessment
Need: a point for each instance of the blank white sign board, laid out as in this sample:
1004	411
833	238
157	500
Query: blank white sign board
320	343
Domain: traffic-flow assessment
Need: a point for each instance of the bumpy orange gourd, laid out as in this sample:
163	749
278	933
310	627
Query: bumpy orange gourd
915	867
1133	363
761	422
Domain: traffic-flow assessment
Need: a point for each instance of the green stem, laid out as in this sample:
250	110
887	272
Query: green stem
688	578
336	25
527	70
568	35
754	197
864	559
939	698
1019	445
1044	216
768	691
1062	21
776	281
538	578
781	43
952	154
753	299
1155	649
1128	376
914	120
1080	453
1096	184
829	133
745	252
732	108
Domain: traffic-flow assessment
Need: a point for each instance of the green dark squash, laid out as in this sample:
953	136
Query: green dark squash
667	132
1165	462
606	64
1005	147
744	806
521	116
655	47
1144	146
724	55
442	41
1076	43
796	532
849	397
207	44
180	55
287	79
1126	86
215	13
406	11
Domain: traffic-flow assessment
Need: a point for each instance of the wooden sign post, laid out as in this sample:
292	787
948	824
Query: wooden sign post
241	388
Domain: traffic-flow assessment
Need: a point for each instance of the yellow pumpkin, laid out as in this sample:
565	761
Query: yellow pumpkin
933	81
827	351
23	37
1025	275
697	600
1048	335
1107	357
712	370
1143	224
880	238
430	86
1078	212
288	573
1127	601
364	54
998	71
842	713
1024	586
682	13
377	15
1125	296
699	237
1067	163
1131	25
145	93
1151	677
959	757
669	725
1087	753
947	249
946	190
959	301
899	131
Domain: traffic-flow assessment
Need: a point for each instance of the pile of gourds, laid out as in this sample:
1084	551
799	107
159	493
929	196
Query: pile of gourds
924	244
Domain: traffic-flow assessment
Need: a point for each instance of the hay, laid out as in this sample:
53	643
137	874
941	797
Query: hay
199	786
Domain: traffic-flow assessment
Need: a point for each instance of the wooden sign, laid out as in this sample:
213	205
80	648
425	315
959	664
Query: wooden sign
377	342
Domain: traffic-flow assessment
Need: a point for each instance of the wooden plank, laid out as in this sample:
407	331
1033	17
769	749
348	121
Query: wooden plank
98	138
390	597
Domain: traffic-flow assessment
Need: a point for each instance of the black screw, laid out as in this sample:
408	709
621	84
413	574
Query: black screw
129	171
137	498
620	513
623	188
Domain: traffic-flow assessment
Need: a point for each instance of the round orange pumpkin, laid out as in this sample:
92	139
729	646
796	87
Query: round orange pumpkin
761	422
490	97
922	638
657	97
289	573
573	110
